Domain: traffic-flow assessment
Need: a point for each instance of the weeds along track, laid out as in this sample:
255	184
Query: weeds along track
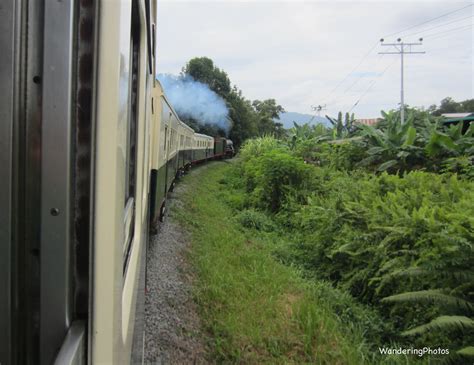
172	327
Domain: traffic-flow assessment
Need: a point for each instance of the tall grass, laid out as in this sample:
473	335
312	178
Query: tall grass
256	309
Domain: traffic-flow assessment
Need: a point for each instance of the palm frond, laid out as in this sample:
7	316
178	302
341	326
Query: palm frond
466	351
435	295
442	323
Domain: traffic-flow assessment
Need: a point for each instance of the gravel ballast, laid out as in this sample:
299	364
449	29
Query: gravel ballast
172	325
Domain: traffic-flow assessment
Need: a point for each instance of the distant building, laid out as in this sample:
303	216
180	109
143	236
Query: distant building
458	115
454	118
368	121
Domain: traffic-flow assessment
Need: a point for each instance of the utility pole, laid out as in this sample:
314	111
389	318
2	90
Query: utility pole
318	108
402	49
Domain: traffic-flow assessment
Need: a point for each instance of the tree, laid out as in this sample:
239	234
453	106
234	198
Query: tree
448	105
267	111
203	69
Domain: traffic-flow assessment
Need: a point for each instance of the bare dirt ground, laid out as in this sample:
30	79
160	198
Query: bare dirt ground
172	327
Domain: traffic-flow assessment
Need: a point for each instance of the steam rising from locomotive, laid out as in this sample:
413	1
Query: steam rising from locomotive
194	99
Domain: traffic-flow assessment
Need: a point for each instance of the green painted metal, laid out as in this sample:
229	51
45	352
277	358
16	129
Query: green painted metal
454	120
219	146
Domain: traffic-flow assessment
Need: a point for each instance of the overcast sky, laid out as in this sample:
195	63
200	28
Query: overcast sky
302	53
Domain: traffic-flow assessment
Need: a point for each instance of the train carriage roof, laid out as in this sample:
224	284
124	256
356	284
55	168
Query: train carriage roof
203	136
186	127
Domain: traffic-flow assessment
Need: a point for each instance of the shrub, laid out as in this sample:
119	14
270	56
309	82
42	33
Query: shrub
258	146
273	177
251	218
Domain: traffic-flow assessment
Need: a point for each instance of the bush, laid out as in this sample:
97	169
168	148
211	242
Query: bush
256	147
273	177
251	218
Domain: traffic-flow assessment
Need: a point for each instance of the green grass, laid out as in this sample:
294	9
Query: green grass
256	309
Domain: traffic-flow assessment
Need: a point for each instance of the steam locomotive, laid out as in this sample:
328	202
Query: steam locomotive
89	148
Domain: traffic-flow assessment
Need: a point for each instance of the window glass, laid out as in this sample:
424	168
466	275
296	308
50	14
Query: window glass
128	98
166	138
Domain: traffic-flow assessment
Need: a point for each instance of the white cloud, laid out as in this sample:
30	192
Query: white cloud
297	52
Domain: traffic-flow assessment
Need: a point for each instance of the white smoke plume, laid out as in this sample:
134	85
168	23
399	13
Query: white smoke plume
193	99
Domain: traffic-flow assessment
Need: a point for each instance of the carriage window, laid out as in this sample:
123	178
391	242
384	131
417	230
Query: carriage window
129	57
166	138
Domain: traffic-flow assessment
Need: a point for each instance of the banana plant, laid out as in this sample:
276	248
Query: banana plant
391	148
305	132
450	142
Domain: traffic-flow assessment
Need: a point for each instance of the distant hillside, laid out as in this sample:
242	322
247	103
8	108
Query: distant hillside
288	118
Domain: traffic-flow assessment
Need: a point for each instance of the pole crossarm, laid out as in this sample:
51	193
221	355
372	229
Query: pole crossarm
318	108
402	43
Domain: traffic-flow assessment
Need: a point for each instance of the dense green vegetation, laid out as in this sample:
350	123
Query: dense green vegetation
256	309
386	216
422	143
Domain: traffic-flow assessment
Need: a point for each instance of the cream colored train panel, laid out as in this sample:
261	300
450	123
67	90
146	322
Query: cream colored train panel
121	189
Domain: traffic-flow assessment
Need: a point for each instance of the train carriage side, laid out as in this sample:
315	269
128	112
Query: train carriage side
202	147
160	130
121	184
209	147
74	223
188	155
173	154
219	147
180	147
186	134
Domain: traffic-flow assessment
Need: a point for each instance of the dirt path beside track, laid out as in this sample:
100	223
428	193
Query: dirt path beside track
172	325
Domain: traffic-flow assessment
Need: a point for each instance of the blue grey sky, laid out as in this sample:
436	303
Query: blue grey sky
300	53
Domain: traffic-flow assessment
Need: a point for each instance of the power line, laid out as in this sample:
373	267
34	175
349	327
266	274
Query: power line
438	26
336	100
448	31
351	72
370	87
339	96
428	21
372	81
401	31
358	79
